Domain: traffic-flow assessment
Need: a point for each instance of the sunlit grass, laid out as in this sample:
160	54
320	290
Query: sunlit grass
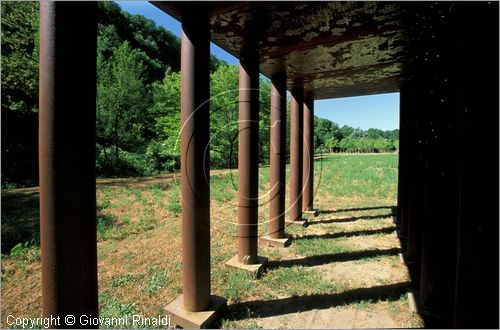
139	251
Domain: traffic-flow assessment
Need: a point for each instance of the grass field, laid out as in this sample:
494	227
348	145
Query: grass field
341	271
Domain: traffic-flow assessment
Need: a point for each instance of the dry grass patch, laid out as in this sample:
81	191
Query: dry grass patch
341	271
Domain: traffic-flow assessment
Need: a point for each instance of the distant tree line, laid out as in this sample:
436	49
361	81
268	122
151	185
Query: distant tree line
138	101
329	137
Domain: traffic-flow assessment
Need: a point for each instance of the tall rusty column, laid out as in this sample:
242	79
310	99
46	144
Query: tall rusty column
308	157
296	143
248	165
402	207
248	157
195	175
277	157
195	127
67	100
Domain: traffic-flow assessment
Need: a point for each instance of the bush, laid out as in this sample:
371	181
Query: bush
159	157
162	156
127	164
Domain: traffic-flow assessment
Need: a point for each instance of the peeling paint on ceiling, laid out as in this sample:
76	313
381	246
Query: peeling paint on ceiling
333	49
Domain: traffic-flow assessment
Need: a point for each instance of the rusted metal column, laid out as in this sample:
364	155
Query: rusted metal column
195	126
277	158
402	212
67	117
296	141
248	157
416	195
308	156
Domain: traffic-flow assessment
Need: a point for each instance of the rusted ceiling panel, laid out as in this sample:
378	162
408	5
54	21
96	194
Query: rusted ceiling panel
333	49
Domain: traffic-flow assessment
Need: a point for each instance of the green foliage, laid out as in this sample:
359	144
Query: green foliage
120	117
132	52
363	175
159	47
166	107
329	137
111	307
157	281
224	187
174	203
293	281
237	285
264	120
319	246
379	144
122	280
162	156
19	56
106	227
224	117
19	92
26	252
138	101
331	143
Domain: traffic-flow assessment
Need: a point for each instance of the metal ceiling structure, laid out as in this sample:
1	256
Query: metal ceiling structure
332	49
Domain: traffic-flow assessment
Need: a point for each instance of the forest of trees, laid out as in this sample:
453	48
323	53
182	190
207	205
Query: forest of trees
138	101
329	137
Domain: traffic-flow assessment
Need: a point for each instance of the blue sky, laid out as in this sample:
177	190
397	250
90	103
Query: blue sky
373	111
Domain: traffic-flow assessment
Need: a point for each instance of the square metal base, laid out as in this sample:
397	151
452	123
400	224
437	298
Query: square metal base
312	212
255	269
303	222
180	317
275	242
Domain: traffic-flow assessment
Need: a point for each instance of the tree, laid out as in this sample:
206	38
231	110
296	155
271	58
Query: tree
264	120
374	133
224	116
166	108
19	89
160	48
331	143
322	128
122	101
20	25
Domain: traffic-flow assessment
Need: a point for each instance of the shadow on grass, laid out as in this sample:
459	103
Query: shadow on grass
386	230
335	257
350	219
134	181
276	307
357	209
20	219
